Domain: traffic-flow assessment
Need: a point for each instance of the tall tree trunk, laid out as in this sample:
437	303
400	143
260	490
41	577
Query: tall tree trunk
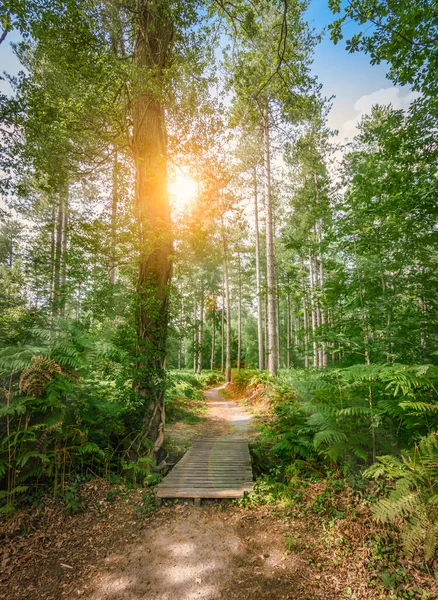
223	325
266	327
201	329
64	253
289	330
52	251
195	336
57	265
239	312
270	256
313	309
228	308
297	326
258	278
305	323
114	208
180	328
277	288
363	318
153	43
213	336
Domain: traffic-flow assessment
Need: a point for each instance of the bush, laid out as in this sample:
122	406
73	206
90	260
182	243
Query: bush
243	378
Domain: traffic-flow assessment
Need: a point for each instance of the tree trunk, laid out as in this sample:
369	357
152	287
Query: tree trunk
52	252
258	278
239	312
277	288
313	309
195	336
154	37
289	331
180	328
213	337
57	265
228	309
201	329
63	277
305	324
223	325
266	328
114	207
270	257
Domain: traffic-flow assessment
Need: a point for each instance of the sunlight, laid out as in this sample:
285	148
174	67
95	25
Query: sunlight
183	189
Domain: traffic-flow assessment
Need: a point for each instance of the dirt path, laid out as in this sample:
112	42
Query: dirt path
223	418
216	551
227	415
120	548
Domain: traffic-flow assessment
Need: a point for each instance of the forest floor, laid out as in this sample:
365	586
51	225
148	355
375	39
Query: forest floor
120	547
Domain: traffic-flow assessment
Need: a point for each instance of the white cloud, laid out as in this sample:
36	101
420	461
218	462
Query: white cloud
384	96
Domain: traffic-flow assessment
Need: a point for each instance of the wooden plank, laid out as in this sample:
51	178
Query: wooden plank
202	493
212	468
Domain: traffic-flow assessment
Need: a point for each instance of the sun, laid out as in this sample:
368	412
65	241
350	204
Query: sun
183	189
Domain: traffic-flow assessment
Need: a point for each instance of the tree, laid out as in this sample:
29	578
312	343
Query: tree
268	72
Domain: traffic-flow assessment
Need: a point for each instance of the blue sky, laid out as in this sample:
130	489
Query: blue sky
355	84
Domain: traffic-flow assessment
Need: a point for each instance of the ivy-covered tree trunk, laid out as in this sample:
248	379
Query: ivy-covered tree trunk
152	210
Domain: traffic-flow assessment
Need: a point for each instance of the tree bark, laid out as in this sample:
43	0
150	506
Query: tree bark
195	336
63	277
270	256
57	264
228	309
258	278
180	328
201	329
114	208
153	43
277	289
313	309
289	331
223	325
239	311
305	323
52	252
213	337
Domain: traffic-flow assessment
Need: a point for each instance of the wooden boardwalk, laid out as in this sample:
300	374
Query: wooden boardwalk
212	468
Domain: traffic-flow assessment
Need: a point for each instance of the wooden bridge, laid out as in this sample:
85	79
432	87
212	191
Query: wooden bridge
212	468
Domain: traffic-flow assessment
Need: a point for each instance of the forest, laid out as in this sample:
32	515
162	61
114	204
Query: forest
177	213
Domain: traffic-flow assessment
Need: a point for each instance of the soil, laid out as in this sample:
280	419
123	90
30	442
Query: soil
119	547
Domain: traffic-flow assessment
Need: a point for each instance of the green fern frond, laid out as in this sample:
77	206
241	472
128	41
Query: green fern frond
328	437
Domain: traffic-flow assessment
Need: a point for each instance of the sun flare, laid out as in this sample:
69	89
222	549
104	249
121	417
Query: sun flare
183	190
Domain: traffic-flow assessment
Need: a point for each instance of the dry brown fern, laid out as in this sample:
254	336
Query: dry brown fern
34	379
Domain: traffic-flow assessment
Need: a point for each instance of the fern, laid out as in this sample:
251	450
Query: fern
412	504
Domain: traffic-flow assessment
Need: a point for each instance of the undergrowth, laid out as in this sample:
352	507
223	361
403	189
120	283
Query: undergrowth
343	427
68	412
